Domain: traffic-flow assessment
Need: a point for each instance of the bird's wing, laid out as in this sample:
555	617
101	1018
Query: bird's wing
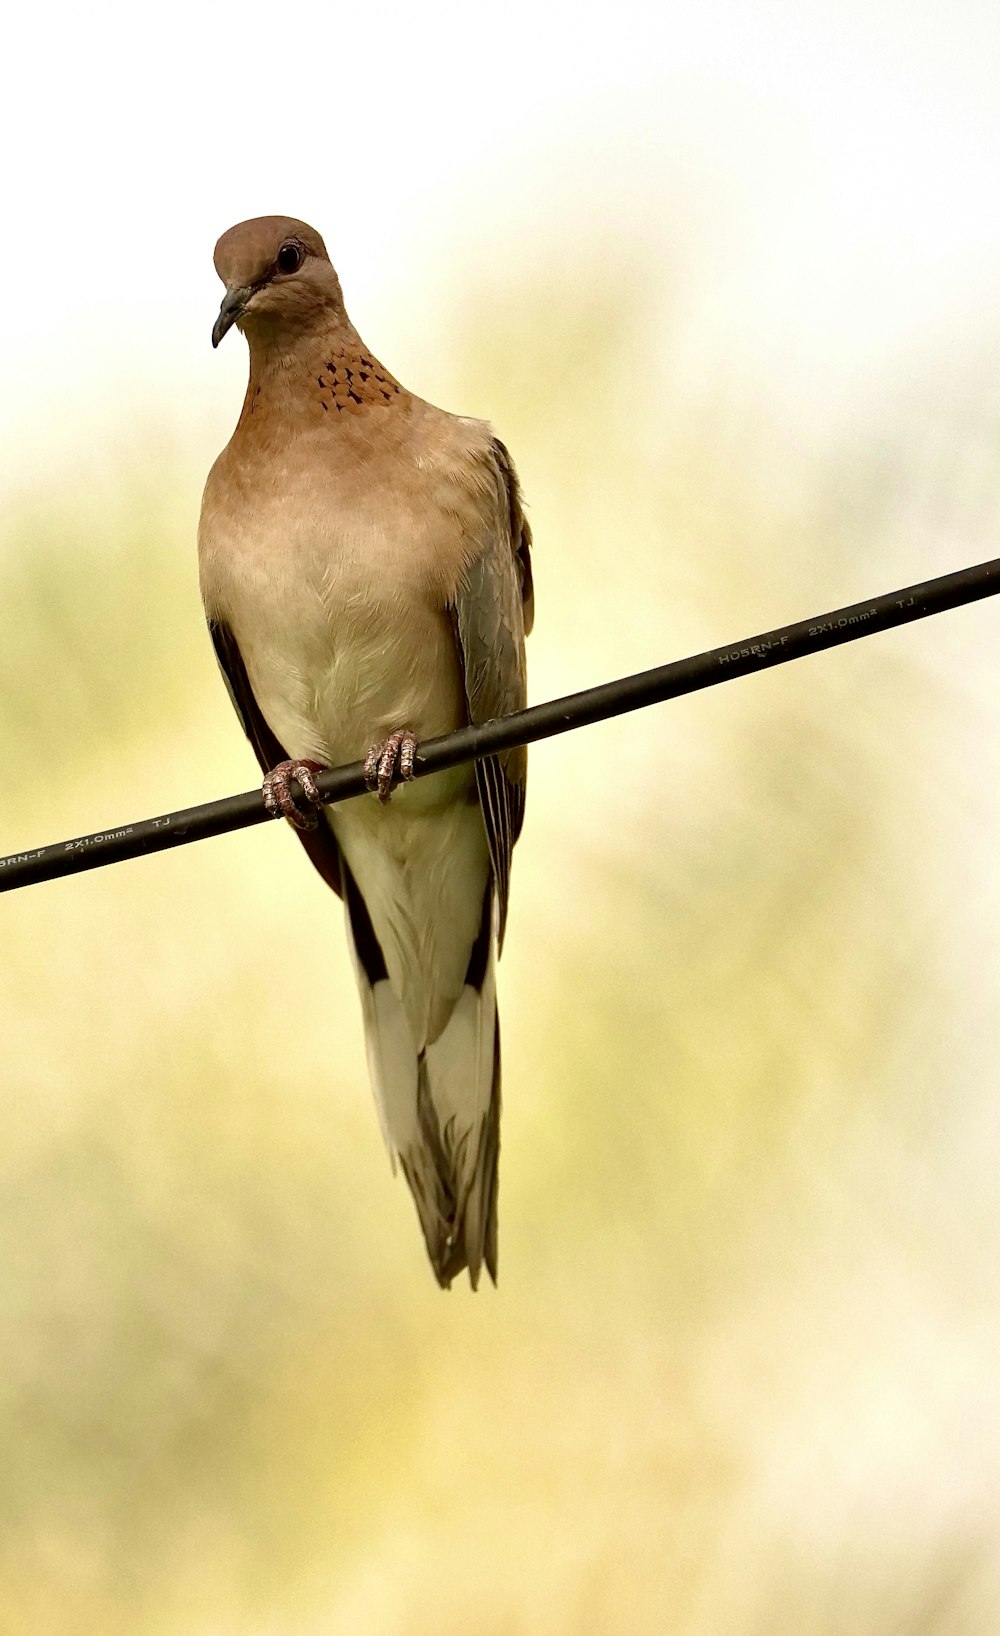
319	842
491	612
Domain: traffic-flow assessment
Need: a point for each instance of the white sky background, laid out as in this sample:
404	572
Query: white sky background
829	177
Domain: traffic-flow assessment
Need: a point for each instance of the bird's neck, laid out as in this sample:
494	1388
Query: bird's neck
328	373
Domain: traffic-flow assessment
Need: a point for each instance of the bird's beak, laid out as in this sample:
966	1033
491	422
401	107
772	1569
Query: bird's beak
233	305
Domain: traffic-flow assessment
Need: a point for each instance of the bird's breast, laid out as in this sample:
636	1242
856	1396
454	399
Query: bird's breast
343	635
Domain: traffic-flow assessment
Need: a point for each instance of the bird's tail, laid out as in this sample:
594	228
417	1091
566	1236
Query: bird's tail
453	1174
439	1106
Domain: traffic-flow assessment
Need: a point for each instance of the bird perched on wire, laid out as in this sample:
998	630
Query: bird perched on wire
365	568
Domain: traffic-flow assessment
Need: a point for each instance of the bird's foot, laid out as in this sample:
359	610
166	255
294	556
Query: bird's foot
279	798
384	760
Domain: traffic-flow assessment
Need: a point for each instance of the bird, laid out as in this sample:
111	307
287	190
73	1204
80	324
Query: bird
365	569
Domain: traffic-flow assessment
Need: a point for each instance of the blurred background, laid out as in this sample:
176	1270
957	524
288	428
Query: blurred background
725	279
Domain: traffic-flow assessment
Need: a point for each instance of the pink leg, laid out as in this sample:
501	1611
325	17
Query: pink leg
279	798
383	761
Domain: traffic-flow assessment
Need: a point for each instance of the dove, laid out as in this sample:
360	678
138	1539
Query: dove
365	567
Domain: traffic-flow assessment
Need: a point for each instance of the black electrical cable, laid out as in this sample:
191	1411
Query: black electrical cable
541	721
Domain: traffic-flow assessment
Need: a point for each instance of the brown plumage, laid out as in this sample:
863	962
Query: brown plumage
365	568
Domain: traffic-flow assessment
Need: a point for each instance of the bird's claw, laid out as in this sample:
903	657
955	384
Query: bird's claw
387	758
279	798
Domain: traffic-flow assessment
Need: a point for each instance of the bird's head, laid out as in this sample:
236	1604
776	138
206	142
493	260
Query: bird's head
278	276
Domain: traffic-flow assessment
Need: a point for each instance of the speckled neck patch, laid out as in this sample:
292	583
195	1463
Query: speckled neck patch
354	381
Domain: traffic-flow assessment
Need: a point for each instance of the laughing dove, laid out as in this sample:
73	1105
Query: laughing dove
366	574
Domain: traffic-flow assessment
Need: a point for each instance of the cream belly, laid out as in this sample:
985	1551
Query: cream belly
339	654
338	657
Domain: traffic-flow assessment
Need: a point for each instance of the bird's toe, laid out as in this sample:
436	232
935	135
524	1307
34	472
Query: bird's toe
280	798
389	759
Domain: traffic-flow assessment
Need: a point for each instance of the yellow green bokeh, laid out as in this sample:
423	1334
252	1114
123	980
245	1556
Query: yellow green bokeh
740	1373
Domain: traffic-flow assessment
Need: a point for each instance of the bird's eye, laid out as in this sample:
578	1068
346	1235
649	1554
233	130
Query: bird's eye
289	258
